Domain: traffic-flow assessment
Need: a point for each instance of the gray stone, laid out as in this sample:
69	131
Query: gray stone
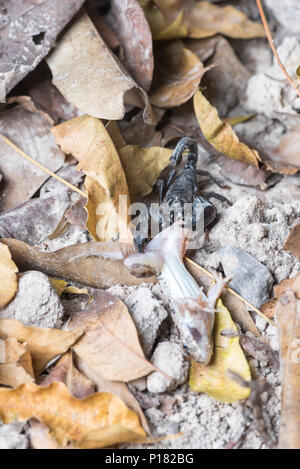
36	302
251	279
148	314
12	438
287	12
169	358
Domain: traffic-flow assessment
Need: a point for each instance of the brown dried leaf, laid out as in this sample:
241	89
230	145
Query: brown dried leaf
178	72
87	84
8	276
243	174
15	363
89	264
288	148
66	372
110	345
87	139
31	132
115	387
136	132
205	19
221	134
45	95
100	420
43	344
288	318
164	23
129	23
259	350
142	167
292	242
289	284
28	32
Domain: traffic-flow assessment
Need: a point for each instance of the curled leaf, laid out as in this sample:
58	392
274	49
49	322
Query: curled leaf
228	356
177	77
8	276
15	363
292	242
220	134
84	69
98	265
43	344
98	421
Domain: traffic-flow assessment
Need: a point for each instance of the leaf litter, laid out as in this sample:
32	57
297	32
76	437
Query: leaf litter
53	234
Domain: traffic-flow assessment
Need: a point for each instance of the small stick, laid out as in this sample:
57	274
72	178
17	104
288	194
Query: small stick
270	39
209	274
46	170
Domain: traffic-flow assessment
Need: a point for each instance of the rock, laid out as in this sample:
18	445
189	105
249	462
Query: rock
36	302
169	358
148	314
269	93
287	13
12	438
251	279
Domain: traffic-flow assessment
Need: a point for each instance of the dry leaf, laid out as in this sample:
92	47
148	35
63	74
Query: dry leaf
114	387
228	356
243	174
221	134
31	132
43	344
288	148
136	132
8	276
129	23
44	94
15	363
28	32
87	82
89	142
61	287
289	284
142	167
100	420
110	344
288	317
163	23
205	19
66	372
177	76
181	18
98	265
292	242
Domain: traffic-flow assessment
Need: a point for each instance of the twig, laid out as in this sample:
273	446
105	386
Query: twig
46	170
270	39
209	274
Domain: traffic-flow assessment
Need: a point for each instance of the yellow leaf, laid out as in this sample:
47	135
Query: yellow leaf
15	363
87	139
205	19
98	421
163	25
228	356
142	167
8	276
238	119
61	286
43	344
178	72
220	134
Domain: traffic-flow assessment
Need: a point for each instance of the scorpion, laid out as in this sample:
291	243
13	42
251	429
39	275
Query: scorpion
177	189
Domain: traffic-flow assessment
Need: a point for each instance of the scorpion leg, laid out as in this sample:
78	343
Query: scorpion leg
215	195
160	186
211	178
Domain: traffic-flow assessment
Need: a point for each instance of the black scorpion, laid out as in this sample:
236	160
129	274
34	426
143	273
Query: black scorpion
176	189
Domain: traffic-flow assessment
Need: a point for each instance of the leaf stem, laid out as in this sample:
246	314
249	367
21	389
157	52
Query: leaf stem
46	170
270	40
